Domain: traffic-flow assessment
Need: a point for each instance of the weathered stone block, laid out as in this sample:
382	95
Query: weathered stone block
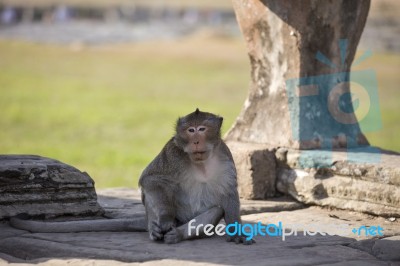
41	186
367	187
256	169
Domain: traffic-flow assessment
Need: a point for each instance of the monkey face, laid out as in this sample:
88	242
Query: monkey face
197	134
197	146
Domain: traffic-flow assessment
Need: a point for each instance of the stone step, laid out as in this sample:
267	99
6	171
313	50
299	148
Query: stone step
351	179
365	180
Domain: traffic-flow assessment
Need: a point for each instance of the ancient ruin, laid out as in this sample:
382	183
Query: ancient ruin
296	143
301	55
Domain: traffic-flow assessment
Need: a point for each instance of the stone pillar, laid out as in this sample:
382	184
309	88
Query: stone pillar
283	40
299	98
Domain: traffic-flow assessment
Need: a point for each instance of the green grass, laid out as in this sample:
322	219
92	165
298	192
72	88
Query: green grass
109	110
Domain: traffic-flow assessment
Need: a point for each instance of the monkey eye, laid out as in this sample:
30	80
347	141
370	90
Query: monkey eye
202	129
191	129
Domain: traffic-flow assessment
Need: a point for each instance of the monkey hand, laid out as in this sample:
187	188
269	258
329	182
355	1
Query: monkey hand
173	236
240	239
157	230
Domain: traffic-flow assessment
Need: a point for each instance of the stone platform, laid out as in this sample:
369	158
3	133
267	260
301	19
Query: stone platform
118	248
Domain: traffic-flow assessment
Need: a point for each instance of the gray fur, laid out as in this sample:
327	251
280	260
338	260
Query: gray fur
177	189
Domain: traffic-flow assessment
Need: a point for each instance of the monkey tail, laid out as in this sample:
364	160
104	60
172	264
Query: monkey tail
137	224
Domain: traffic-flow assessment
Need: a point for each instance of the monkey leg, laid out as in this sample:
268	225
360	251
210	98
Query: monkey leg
160	212
177	234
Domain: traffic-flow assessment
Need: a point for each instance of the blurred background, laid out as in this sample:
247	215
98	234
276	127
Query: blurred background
99	84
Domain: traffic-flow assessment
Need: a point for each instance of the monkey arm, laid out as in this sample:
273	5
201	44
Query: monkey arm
230	202
136	224
231	206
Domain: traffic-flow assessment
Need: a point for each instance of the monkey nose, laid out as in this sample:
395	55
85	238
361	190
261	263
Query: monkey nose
196	142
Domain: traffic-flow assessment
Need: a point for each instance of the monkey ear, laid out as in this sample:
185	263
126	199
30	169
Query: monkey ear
220	120
179	123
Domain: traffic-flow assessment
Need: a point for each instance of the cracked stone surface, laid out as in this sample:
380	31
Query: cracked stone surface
103	248
42	186
282	39
344	179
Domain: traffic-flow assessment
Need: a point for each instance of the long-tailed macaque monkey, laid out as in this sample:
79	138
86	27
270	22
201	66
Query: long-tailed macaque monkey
193	177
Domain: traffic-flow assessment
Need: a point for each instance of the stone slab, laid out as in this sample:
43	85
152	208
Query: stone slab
256	170
380	167
121	202
136	247
100	248
124	202
387	248
42	186
330	216
352	179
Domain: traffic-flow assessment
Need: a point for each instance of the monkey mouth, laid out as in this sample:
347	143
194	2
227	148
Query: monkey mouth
199	155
